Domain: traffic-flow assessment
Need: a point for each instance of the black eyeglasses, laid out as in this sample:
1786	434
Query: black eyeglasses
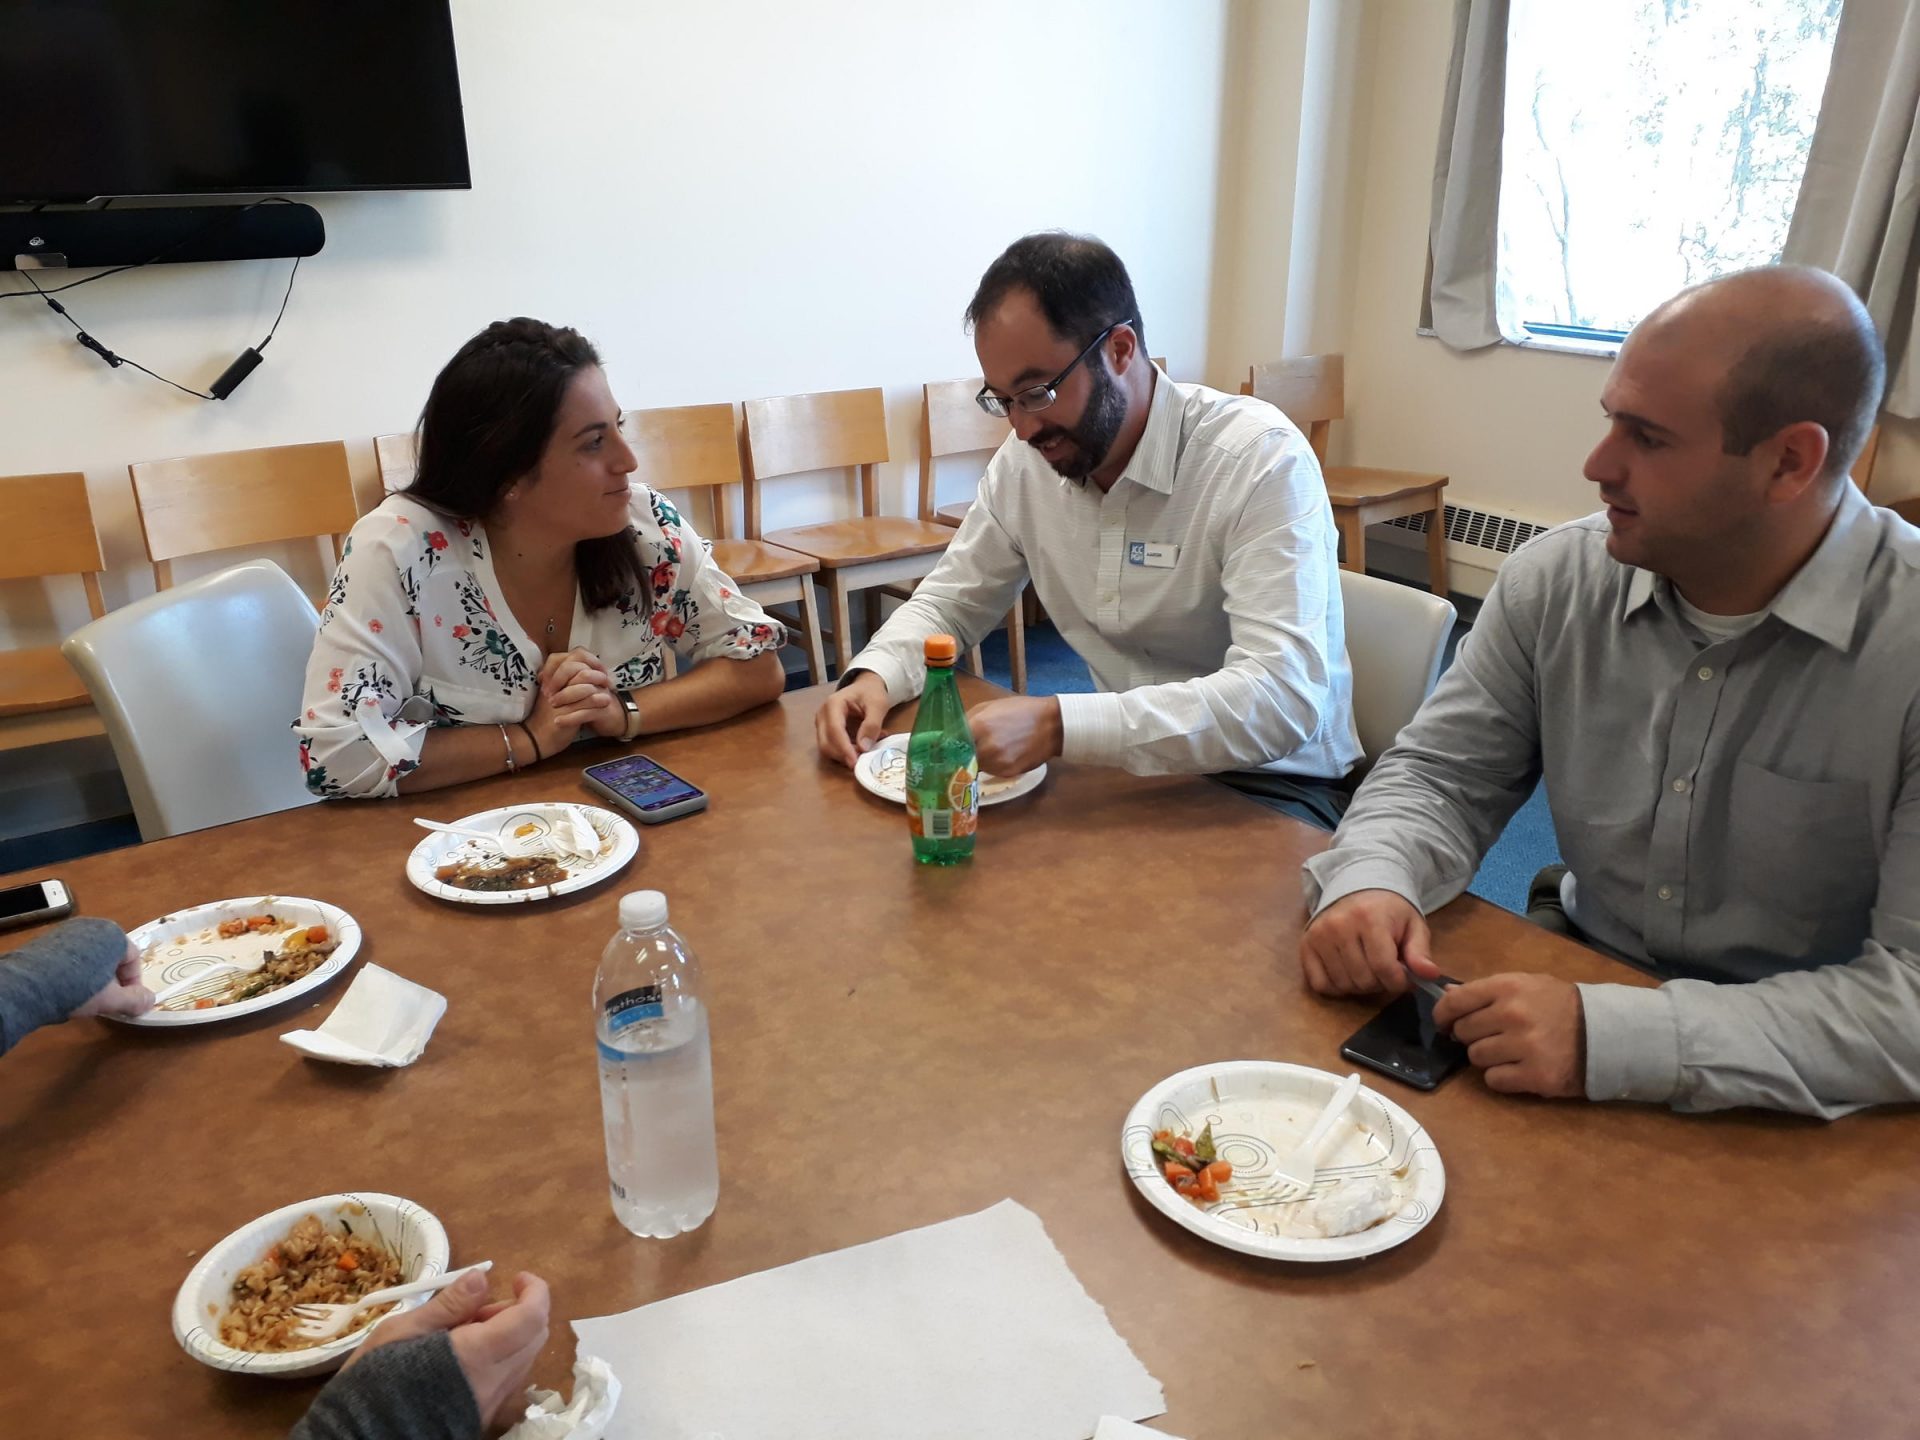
1039	397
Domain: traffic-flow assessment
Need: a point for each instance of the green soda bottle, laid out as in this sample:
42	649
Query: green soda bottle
943	776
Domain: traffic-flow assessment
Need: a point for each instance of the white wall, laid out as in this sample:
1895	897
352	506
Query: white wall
732	199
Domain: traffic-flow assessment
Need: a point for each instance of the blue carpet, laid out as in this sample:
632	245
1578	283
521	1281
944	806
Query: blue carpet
1527	843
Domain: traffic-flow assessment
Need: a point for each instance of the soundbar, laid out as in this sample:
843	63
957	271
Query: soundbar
166	234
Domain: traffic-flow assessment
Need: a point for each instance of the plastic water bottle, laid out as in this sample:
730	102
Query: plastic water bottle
656	1074
943	775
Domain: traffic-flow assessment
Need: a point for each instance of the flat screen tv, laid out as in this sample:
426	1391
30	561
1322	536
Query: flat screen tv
107	98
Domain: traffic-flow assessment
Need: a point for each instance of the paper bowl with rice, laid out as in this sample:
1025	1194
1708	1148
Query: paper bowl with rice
233	1309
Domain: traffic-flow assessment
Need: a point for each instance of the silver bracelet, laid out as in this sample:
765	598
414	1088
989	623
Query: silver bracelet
507	740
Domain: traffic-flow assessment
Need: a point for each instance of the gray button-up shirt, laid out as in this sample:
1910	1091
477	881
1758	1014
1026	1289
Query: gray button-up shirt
1746	810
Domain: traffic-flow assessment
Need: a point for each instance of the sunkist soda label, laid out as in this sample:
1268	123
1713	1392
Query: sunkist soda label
958	817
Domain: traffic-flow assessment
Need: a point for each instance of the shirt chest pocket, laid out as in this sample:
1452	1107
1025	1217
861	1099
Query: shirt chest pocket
1806	850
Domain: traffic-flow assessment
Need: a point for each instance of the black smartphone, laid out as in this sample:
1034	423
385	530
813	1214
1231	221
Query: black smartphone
1392	1042
30	904
645	788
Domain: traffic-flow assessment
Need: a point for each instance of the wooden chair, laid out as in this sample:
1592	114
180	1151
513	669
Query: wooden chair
200	503
395	456
838	430
695	447
46	529
1311	392
952	424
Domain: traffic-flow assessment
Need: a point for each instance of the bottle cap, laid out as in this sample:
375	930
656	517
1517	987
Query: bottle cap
942	650
643	910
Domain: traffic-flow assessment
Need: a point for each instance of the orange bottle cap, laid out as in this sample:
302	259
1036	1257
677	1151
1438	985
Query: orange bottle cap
942	649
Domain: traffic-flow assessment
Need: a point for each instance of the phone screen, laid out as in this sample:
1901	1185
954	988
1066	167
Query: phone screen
643	784
1390	1042
22	900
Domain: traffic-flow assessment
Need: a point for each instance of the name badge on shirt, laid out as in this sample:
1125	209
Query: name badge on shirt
1152	554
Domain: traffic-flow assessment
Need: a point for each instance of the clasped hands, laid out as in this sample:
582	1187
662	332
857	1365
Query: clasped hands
1526	1032
576	693
1010	736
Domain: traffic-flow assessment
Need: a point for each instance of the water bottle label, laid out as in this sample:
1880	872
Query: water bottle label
633	1007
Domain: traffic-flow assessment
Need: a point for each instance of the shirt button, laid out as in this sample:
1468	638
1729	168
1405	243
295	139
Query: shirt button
1706	672
1665	892
1680	786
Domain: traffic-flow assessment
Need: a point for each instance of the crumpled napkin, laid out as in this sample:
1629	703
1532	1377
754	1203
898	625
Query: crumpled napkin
596	1394
383	1020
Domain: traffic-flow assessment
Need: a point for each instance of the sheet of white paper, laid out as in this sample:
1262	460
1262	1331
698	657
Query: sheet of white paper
973	1329
1112	1427
383	1019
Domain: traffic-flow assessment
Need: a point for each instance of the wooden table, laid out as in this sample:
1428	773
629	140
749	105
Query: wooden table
1596	1270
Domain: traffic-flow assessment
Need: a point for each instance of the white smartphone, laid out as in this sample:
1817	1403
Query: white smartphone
30	904
645	789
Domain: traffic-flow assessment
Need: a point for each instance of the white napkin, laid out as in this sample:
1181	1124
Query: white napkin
1112	1427
575	833
381	1020
870	1342
596	1391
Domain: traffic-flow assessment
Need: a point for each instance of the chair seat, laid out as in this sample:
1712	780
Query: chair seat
38	679
1354	485
952	514
751	561
862	541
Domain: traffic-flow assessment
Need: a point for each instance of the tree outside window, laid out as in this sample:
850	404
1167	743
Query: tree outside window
1649	145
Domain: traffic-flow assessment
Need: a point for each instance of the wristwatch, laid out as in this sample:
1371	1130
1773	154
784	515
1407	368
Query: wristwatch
632	707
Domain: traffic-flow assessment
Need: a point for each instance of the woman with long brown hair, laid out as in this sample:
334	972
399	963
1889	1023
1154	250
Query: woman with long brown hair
522	592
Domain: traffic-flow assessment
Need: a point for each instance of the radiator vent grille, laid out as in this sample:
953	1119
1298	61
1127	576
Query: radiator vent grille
1477	529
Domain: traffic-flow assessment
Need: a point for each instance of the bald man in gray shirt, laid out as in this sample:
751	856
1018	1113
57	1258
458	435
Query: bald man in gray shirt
1719	677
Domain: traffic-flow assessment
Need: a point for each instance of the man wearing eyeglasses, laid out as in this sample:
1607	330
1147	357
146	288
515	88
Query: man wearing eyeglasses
1181	540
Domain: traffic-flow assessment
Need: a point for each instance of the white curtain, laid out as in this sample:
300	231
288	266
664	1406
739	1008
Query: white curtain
1464	236
1858	214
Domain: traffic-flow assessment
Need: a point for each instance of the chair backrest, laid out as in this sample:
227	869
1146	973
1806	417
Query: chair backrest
46	528
397	460
198	687
1396	636
827	430
951	423
1309	390
1862	471
199	503
687	447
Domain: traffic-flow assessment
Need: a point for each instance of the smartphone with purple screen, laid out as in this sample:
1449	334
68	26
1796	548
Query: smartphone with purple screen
645	789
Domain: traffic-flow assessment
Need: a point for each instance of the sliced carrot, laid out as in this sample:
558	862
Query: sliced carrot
1219	1172
1183	1145
203	1004
347	1261
1204	1189
1175	1172
316	934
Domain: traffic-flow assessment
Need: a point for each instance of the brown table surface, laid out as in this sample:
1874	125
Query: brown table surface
1596	1270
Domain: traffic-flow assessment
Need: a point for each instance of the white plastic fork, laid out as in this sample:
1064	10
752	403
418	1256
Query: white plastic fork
193	982
1299	1167
497	841
323	1322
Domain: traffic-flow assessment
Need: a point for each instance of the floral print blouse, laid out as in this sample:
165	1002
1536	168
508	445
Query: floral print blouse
412	611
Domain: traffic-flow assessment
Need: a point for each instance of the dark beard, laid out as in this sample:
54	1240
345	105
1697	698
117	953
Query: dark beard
1100	422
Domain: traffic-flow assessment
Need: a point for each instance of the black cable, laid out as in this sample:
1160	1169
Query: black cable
94	345
283	305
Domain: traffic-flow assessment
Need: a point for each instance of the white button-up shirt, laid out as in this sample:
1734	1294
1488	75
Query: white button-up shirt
1202	591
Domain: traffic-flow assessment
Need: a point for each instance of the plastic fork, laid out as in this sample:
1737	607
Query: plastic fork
324	1322
193	982
1299	1167
461	830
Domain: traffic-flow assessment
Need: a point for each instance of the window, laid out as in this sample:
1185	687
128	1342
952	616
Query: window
1649	145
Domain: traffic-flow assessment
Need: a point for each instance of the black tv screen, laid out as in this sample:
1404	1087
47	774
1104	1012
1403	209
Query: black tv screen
211	97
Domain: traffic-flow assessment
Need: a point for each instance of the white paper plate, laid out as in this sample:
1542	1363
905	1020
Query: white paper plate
883	770
411	1233
619	843
178	945
1261	1109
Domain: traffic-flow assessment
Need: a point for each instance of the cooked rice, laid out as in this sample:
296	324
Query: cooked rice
304	1269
